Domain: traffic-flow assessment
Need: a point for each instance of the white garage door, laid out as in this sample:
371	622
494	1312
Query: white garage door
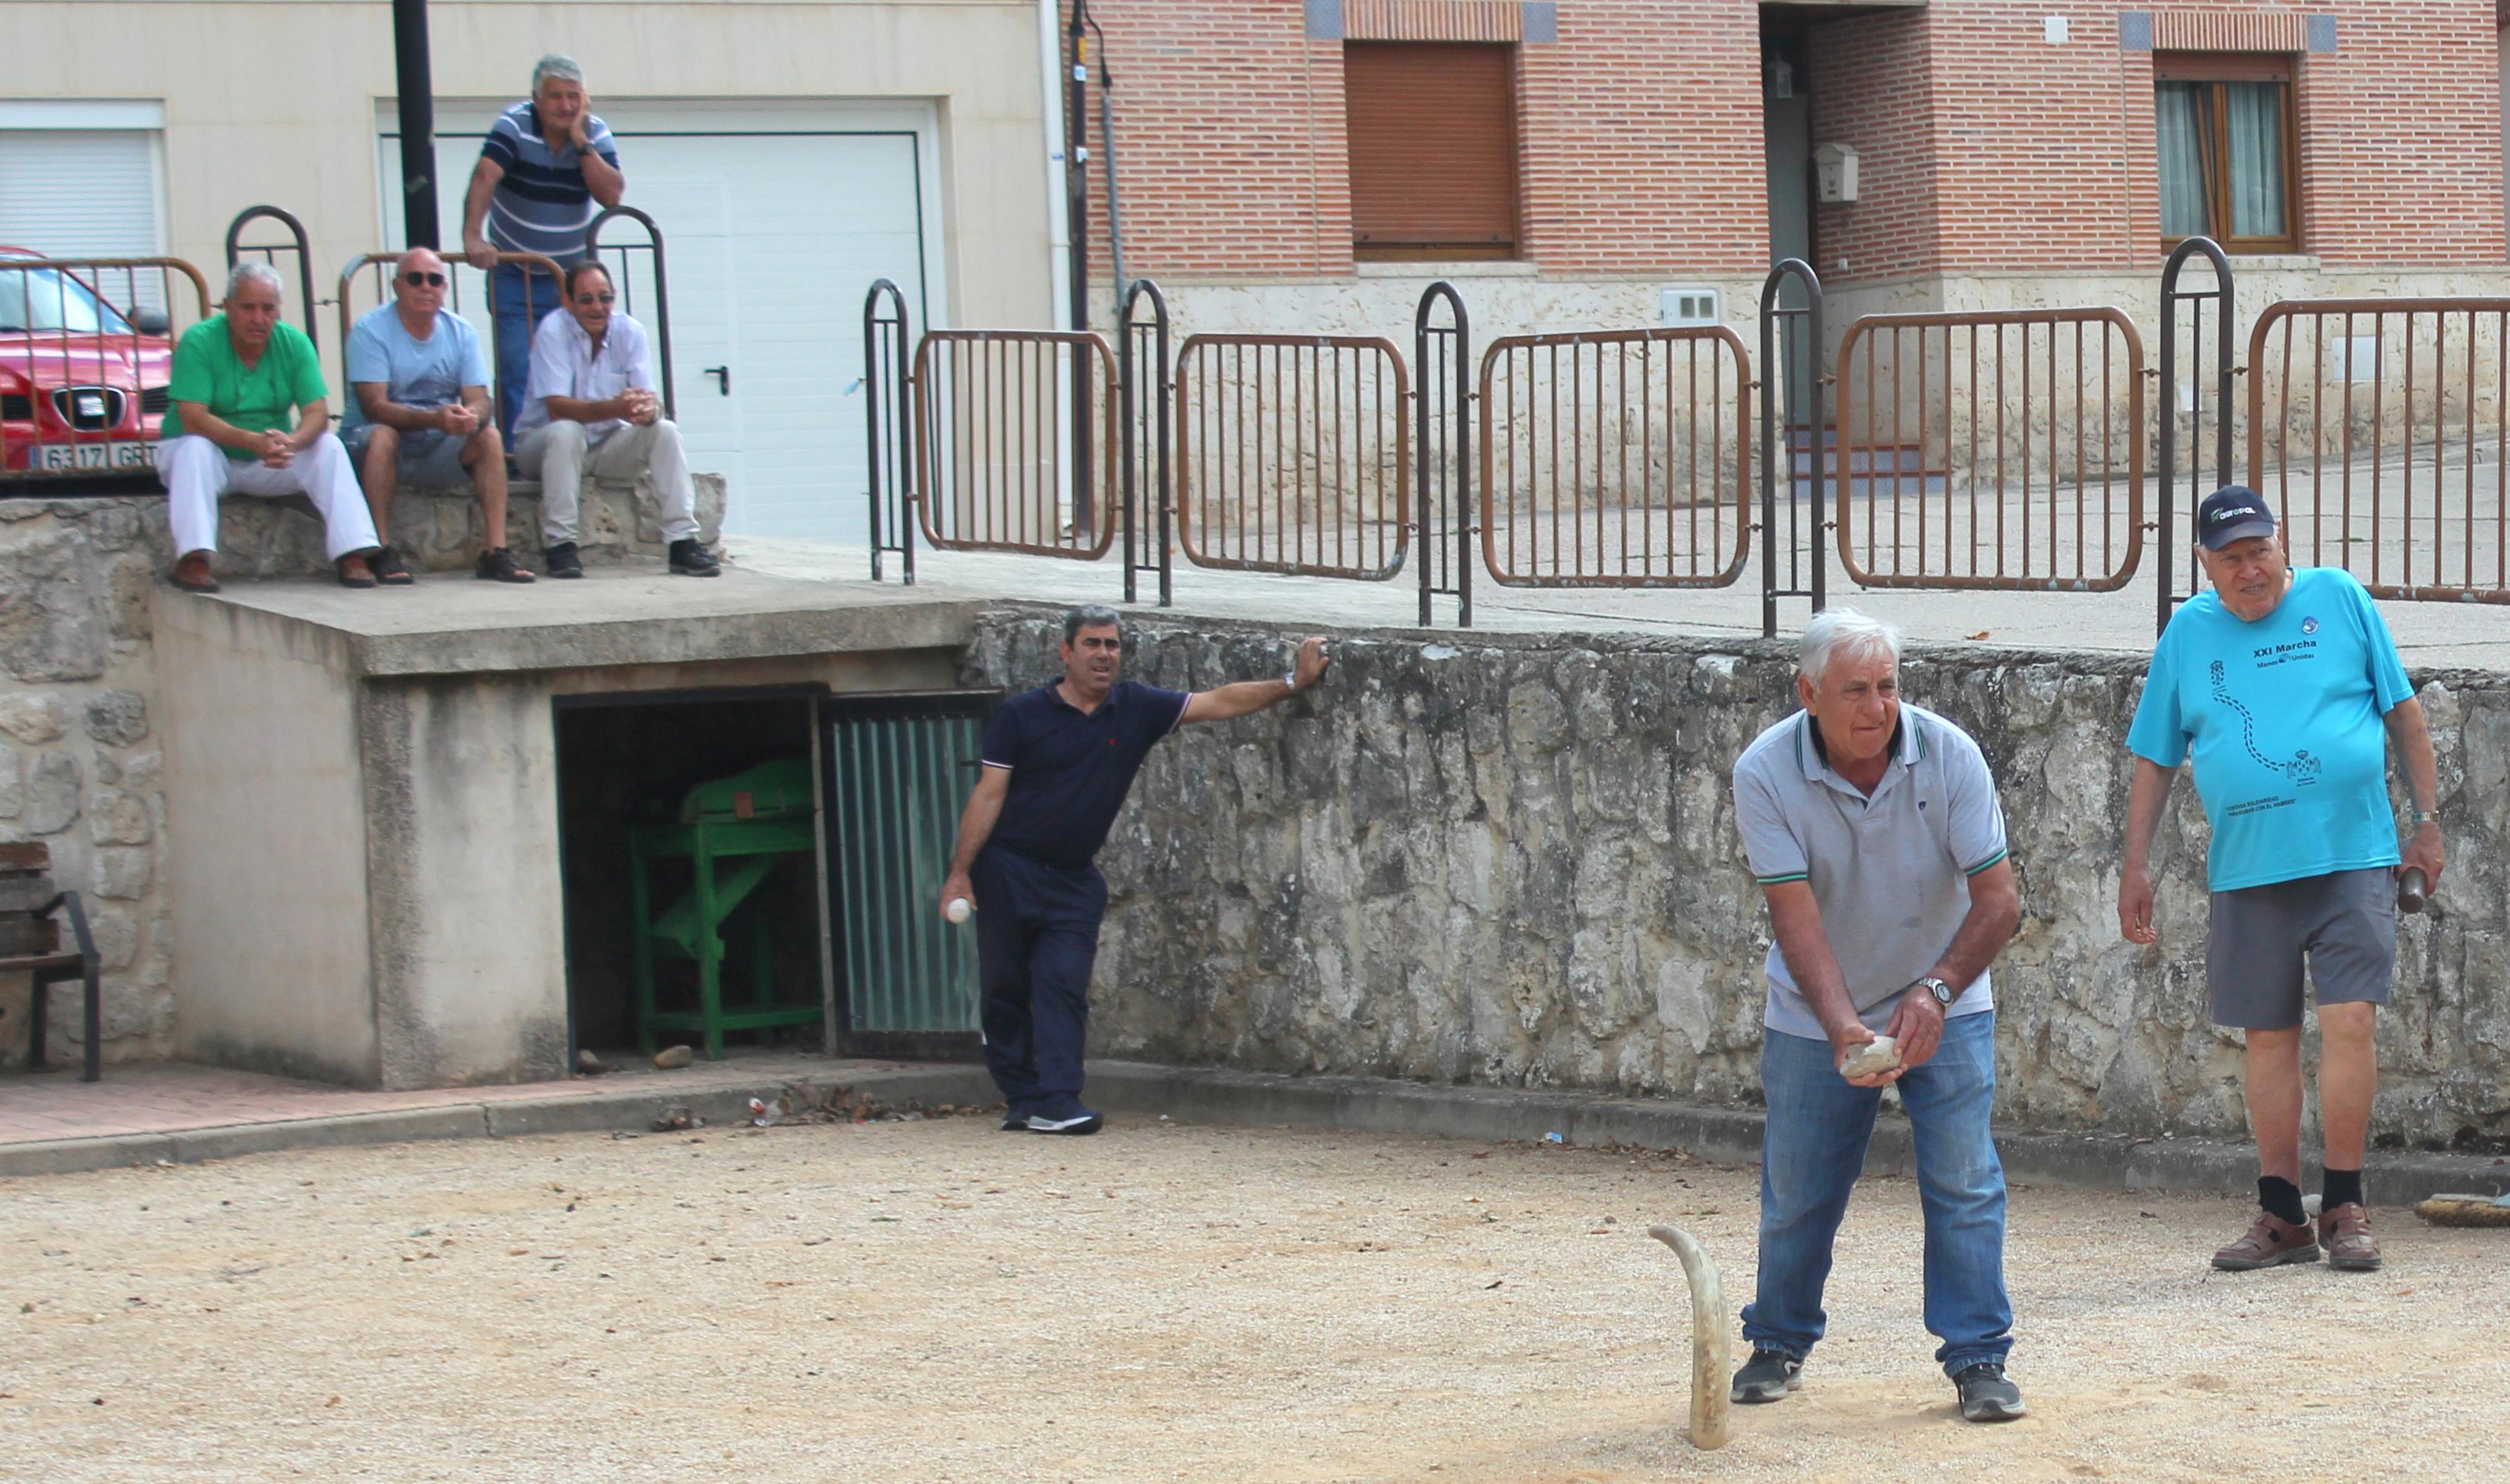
773	235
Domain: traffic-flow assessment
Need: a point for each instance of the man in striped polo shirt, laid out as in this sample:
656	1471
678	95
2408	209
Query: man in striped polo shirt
548	168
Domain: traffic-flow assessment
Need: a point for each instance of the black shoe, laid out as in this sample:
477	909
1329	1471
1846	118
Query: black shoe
1986	1396
560	560
388	569
497	565
1064	1114
1016	1118
689	559
1768	1376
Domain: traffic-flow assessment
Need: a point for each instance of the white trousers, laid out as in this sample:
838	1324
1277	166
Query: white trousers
195	471
561	452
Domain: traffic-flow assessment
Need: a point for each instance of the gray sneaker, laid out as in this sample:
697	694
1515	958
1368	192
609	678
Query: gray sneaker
1767	1377
1986	1395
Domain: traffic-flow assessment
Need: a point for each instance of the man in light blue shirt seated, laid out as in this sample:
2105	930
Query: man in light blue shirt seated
418	410
2285	690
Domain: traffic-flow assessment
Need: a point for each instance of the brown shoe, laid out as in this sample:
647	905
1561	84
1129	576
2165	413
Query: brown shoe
2347	1233
192	574
2271	1241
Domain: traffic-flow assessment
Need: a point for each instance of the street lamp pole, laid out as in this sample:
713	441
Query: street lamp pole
417	87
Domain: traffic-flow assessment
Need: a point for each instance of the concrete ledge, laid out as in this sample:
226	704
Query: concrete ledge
399	1126
1385	1106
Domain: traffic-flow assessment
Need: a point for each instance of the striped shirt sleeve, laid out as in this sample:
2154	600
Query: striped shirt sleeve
503	137
1770	845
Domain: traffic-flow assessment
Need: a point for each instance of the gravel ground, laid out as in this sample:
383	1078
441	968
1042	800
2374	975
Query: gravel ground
940	1300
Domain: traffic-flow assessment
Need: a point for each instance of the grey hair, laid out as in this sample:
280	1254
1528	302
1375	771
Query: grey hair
1088	616
253	270
556	64
1843	633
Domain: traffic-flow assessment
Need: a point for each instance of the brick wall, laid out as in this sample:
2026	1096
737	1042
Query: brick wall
1983	147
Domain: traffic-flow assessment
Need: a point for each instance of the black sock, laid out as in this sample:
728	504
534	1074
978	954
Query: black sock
2281	1199
2342	1187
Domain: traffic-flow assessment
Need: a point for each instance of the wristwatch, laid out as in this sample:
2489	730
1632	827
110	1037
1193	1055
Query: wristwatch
1291	680
1944	993
2419	818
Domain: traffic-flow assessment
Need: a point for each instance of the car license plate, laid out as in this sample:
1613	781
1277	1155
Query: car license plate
114	455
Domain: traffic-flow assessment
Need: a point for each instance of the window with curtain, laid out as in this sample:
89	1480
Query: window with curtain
2223	129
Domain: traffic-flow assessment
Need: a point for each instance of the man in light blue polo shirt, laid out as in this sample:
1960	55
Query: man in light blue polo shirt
418	410
2286	690
1874	833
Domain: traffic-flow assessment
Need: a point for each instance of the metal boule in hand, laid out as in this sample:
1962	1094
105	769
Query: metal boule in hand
1711	1343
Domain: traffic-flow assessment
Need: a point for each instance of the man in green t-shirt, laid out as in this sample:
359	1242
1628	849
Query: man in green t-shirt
238	376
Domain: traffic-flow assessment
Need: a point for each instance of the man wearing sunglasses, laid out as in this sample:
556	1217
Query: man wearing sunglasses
591	408
420	412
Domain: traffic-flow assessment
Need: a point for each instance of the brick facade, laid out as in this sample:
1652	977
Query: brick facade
1984	147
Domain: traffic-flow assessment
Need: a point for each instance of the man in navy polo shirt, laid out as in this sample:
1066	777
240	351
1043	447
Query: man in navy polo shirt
1058	762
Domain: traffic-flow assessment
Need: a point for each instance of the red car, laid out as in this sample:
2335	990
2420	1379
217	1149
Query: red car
82	382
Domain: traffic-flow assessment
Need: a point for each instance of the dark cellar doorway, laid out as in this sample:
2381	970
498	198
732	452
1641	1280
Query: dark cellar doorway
627	758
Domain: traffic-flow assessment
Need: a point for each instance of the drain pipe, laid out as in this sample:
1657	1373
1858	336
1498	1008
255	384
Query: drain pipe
1058	217
1107	162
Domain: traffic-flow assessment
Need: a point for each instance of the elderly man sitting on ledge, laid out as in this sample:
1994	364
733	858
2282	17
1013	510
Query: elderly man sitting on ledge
237	376
420	412
592	402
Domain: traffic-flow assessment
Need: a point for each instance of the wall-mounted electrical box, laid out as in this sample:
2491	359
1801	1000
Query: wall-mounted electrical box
1690	308
1834	173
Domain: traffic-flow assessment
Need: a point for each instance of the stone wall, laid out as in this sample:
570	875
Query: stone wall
79	760
1512	859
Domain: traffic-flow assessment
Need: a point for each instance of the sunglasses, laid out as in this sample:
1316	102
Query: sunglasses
424	279
597	298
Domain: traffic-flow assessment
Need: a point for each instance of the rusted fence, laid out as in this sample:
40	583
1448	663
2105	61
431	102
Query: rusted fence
998	465
640	273
2381	429
1797	446
1293	454
1619	459
2196	377
1442	444
292	246
889	429
2000	450
1145	461
87	349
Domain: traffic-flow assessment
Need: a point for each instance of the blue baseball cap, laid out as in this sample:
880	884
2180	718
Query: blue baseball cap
2233	512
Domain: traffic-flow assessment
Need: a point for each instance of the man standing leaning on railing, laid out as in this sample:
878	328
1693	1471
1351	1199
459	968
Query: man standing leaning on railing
548	168
2286	690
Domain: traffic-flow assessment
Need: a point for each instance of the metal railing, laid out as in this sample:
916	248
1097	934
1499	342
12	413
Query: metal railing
1293	454
1796	448
2380	428
296	246
2186	394
1616	459
996	461
375	271
889	429
1144	457
652	286
2000	450
1443	441
87	350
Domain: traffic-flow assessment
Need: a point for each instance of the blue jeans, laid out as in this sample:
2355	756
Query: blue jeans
521	300
1811	1151
1037	940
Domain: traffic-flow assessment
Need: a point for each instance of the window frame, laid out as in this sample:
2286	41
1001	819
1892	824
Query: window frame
2212	70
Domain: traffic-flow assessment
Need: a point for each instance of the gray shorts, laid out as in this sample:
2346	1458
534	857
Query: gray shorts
429	456
2344	924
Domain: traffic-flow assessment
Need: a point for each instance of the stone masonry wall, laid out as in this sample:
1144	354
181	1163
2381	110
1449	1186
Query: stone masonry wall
79	760
1512	859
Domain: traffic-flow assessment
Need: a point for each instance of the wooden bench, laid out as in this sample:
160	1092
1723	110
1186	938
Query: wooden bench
30	942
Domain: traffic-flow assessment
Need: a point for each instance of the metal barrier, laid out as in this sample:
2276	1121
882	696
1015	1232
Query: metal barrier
2184	393
1443	440
996	461
2000	450
1143	429
87	350
1293	454
1628	466
888	427
1793	407
377	268
655	284
2386	449
296	246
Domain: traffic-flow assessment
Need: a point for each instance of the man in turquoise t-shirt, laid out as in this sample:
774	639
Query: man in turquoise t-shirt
238	376
2286	689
